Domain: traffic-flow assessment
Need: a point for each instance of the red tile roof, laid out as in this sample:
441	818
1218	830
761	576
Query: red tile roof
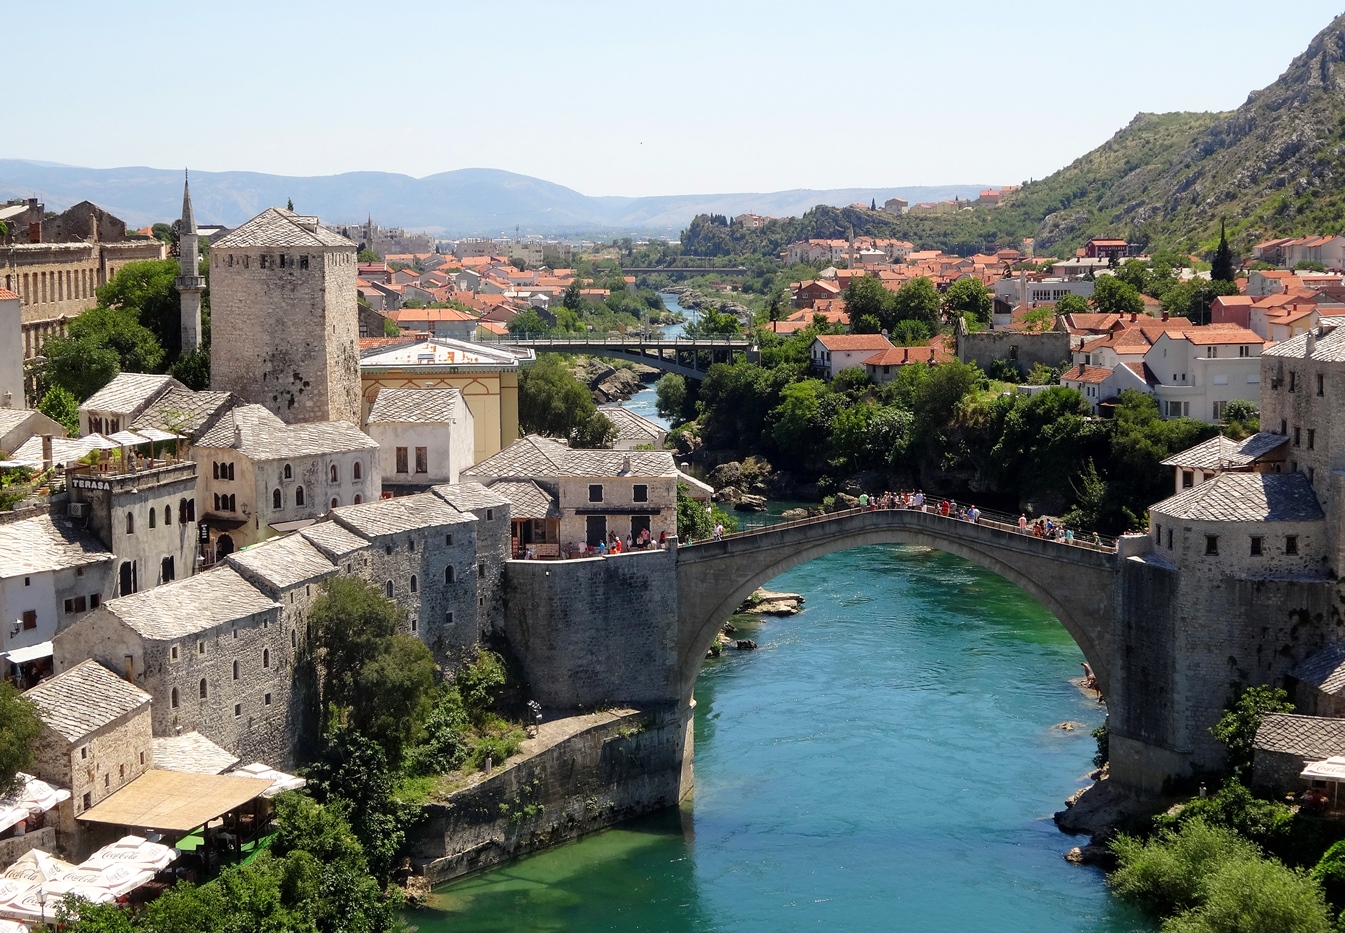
1084	373
851	342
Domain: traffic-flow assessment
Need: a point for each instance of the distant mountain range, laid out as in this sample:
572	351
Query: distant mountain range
466	202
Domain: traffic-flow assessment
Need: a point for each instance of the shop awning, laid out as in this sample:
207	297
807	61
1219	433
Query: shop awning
30	653
286	527
1332	769
175	802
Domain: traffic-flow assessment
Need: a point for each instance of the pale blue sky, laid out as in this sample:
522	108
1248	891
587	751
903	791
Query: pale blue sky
624	97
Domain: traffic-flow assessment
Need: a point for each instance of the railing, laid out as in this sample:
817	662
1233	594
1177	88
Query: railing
664	343
1001	521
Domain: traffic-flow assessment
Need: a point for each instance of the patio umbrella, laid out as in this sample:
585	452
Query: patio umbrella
13	926
134	852
11	887
128	439
38	867
94	894
155	434
119	879
280	781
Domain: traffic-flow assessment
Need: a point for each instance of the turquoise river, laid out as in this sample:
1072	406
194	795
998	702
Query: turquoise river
888	760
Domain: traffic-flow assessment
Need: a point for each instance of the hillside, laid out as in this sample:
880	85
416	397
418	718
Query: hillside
466	202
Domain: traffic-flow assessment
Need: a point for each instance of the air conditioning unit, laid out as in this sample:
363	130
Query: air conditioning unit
79	510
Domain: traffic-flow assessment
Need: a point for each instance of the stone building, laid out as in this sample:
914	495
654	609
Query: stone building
425	437
95	736
284	324
11	350
633	430
18	425
1303	399
113	407
1288	742
1263	452
1319	683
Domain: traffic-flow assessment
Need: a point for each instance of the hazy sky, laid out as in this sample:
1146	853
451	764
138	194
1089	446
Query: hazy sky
628	98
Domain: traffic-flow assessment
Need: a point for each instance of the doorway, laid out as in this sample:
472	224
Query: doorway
597	530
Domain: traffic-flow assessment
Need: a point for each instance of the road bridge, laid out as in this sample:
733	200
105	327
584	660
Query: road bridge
686	270
687	356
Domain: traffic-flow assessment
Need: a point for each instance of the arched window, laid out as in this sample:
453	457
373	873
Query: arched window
151	517
191	510
168	515
233	502
130	523
335	503
357	472
266	657
358	498
203	688
299	495
215	470
173	698
414	585
235	672
388	588
217	508
334	473
294	638
289	473
231	471
182	511
448	574
275	498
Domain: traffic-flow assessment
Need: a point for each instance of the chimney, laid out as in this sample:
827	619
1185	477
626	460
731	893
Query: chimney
1165	315
1134	317
46	452
1311	344
35	232
625	464
7	400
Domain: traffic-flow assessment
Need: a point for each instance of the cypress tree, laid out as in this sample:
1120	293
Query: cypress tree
1222	266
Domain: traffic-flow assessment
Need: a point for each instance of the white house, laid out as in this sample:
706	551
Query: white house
425	436
833	352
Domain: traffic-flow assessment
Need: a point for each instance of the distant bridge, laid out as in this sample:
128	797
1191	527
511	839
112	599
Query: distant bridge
686	270
687	356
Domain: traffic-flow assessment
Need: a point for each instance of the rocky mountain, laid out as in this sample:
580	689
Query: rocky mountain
467	202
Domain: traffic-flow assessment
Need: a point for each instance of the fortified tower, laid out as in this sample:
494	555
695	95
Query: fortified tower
190	283
284	321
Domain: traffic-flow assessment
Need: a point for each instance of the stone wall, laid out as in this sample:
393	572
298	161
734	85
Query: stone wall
612	771
1277	773
593	631
983	349
15	847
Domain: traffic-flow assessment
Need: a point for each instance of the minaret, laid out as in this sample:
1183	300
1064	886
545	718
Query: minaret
190	282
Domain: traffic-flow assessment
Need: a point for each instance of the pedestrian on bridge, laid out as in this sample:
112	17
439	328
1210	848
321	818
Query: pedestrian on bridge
1022	523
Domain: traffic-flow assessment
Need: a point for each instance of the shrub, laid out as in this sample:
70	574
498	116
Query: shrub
1255	896
1237	728
1166	874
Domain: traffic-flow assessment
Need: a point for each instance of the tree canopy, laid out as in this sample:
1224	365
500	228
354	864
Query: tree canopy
552	402
20	725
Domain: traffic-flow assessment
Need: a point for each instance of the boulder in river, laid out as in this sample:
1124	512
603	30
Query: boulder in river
746	644
750	504
791	514
766	602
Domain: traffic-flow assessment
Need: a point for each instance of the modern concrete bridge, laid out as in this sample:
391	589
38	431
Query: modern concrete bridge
687	356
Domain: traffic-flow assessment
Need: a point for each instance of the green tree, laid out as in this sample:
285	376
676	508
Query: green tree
572	299
390	328
528	323
99	344
20	725
62	407
552	402
917	300
368	255
670	394
910	333
147	289
969	298
1072	304
1113	296
696	521
289	204
1236	729
1221	268
1192	299
193	369
867	300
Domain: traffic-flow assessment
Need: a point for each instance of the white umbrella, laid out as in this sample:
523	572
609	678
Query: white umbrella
37	866
280	781
128	439
132	851
155	434
94	894
13	926
119	879
11	887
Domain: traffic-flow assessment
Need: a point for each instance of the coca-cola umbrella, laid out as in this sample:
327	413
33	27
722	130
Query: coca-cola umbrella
134	851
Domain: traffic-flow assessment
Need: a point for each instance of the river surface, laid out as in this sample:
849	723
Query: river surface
886	761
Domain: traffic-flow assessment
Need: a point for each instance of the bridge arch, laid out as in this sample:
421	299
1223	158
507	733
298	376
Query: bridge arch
1074	584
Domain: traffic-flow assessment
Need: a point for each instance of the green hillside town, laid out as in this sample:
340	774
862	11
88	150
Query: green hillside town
931	556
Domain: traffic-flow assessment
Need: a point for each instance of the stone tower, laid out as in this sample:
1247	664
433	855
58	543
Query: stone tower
190	283
284	321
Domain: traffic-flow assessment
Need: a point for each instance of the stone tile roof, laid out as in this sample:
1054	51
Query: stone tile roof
632	425
43	543
1328	343
1324	670
129	392
63	449
415	406
283	562
1246	497
468	496
404	513
536	457
1220	452
84	699
11	418
277	227
193	753
192	605
527	499
1309	737
183	411
265	437
332	539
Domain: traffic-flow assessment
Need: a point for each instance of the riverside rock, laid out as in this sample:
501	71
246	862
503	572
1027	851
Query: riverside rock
748	503
769	603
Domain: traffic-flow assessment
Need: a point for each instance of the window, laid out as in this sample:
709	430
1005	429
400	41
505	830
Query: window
357	471
411	545
388	588
121	772
490	515
1244	351
1293	381
238	710
641	493
1312	438
448	574
358	498
1321	384
182	511
1169	539
1212	545
215	469
1284	426
167	572
335	502
173	652
88	800
282	260
303	262
595	492
235	670
107	780
298	495
335	476
1291	545
402	463
1212	352
84	753
387	549
266	657
151	518
1297	435
30	619
76	604
203	688
217	503
1219	408
289	472
200	647
1256	546
294	638
266	700
448	540
1188	479
275	498
422	460
415	624
130	523
414	584
94	600
167	515
142	758
231	471
481	570
448	618
27	581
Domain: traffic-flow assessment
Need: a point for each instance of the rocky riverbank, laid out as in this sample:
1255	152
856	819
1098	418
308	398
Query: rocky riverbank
689	297
610	383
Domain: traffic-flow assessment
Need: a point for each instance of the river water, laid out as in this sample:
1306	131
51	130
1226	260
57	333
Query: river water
886	761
